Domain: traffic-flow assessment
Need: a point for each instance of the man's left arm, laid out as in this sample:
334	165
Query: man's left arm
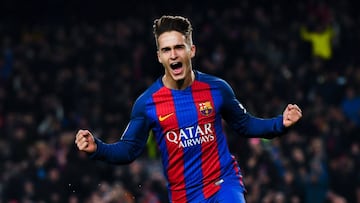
248	125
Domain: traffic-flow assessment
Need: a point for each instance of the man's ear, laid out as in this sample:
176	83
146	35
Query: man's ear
158	56
193	51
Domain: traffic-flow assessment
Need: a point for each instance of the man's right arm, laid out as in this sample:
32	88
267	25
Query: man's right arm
128	148
132	142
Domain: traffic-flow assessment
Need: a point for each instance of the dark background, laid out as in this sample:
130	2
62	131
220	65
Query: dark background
67	65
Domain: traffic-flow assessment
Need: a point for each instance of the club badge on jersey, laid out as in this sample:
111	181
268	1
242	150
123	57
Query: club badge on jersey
205	108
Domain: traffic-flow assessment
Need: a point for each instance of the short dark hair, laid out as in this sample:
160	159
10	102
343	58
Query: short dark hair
169	23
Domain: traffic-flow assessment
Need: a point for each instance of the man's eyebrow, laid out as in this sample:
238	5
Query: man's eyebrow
179	46
165	48
176	46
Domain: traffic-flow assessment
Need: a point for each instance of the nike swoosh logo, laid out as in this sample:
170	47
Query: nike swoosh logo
219	182
162	118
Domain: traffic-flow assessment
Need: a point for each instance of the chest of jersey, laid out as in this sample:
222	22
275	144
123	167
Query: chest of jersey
187	125
185	118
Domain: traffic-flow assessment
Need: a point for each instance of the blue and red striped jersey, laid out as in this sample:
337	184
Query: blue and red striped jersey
187	125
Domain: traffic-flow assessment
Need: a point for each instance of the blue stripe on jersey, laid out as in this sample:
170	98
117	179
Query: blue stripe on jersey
221	140
192	154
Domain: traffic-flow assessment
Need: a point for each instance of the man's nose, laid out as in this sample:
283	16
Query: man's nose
173	54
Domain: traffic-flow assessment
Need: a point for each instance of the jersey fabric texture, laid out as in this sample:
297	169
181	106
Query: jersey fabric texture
187	125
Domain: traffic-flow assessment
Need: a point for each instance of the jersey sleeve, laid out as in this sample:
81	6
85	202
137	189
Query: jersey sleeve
245	124
132	142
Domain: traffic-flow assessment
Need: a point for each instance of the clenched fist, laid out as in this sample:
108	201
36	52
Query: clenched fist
291	115
85	141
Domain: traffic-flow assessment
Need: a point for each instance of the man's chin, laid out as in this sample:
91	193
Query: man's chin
178	77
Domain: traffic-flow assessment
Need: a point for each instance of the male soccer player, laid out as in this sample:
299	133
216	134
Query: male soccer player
184	108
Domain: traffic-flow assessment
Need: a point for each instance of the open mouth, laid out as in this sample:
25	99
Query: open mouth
176	65
176	68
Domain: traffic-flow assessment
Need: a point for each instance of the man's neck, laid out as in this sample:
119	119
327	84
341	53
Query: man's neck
179	84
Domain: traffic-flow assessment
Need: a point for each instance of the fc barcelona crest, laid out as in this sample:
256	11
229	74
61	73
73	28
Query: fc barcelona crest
205	108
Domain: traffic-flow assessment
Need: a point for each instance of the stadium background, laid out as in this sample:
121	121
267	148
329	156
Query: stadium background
81	64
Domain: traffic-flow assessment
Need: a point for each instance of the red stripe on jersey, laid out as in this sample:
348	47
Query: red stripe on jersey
237	171
166	114
210	157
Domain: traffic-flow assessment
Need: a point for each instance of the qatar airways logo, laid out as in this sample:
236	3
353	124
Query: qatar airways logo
191	136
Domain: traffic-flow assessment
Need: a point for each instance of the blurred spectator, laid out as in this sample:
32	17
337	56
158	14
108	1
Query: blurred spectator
351	105
320	39
6	62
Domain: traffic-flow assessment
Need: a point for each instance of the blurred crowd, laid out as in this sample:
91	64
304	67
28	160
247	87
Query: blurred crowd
61	74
